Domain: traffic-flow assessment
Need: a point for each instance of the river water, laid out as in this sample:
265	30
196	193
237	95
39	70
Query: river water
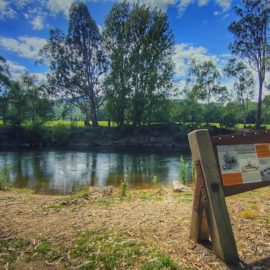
64	171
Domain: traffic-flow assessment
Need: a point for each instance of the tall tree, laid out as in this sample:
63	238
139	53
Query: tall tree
4	75
244	84
203	82
251	33
117	84
140	46
77	62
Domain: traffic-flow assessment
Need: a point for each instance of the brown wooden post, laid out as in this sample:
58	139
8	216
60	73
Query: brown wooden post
218	221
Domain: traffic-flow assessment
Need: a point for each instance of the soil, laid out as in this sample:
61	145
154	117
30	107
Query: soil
159	218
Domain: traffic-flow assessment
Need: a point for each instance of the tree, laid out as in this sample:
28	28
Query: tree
25	101
140	45
243	85
251	33
4	75
203	82
77	62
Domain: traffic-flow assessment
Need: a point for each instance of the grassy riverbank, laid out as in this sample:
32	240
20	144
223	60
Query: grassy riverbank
144	230
153	136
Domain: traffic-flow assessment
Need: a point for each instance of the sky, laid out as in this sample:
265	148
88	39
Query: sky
200	28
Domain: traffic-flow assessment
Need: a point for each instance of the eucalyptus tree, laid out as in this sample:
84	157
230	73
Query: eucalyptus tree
77	62
140	44
204	82
243	85
251	33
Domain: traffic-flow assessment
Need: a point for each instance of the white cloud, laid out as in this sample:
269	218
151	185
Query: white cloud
59	6
184	53
15	69
224	4
27	47
39	76
203	2
183	5
38	23
6	12
160	4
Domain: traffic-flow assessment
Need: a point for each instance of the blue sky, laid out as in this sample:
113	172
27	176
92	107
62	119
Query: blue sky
199	26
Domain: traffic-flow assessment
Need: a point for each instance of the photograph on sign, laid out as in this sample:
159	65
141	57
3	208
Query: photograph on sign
265	168
229	161
248	163
251	177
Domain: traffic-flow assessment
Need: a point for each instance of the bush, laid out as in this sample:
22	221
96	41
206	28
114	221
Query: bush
4	183
123	188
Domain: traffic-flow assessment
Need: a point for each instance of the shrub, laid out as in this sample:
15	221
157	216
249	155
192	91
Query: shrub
4	183
123	188
183	168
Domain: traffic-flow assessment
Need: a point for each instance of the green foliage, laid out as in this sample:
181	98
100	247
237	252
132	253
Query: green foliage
252	40
123	188
10	249
76	62
25	100
190	112
112	250
183	168
43	247
203	82
140	45
4	181
243	86
4	76
160	261
155	180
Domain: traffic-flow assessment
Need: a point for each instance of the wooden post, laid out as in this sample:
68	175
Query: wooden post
217	216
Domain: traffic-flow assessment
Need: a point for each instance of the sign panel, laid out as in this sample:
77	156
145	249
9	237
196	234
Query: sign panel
244	163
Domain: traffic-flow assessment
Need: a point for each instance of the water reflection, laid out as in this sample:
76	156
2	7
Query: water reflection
49	172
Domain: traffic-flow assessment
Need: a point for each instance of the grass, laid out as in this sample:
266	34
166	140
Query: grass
160	261
4	181
67	123
249	214
11	249
57	207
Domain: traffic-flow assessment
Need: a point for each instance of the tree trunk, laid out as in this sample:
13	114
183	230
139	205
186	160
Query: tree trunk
94	119
87	120
259	109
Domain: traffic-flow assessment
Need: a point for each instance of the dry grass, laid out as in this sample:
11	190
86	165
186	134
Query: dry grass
145	230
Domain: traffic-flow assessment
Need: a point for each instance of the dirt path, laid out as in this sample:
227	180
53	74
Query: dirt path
145	230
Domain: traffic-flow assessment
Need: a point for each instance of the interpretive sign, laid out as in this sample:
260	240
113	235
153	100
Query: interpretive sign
225	165
244	163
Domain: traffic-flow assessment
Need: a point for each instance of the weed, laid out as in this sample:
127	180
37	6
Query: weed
160	261
43	247
11	249
4	183
56	207
183	167
123	188
81	192
155	180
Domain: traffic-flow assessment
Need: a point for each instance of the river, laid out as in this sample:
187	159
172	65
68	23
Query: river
64	171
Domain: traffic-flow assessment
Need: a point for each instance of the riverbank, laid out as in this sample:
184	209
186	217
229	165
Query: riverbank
159	137
144	230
